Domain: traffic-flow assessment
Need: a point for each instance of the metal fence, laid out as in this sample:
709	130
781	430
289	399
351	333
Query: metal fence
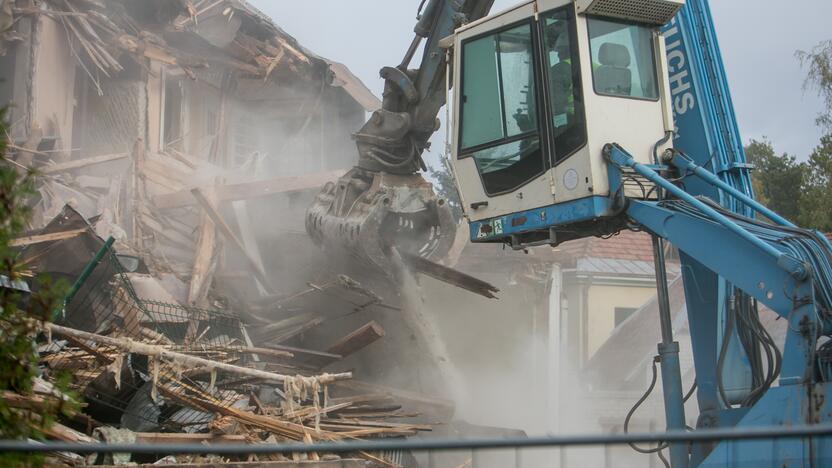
749	448
130	389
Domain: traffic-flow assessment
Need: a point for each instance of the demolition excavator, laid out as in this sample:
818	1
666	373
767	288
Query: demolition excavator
577	118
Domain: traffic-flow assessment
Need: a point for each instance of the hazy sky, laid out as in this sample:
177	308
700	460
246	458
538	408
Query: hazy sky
758	39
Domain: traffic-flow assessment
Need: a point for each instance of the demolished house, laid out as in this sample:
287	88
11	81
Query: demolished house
195	133
126	106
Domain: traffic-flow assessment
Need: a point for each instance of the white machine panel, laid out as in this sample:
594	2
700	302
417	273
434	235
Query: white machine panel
622	98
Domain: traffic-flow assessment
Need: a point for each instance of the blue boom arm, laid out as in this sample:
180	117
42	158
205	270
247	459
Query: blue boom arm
730	262
787	269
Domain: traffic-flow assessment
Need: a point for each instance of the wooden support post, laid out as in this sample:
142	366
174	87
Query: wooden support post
226	231
138	195
204	263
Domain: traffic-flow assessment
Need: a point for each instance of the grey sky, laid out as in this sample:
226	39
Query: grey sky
758	39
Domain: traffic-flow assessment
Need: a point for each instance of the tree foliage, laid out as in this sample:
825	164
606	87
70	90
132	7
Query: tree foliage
798	191
816	199
819	76
20	316
778	179
801	191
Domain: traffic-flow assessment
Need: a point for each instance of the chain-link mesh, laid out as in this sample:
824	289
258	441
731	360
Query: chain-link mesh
131	389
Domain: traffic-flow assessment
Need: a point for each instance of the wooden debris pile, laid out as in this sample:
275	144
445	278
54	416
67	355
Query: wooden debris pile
104	31
162	372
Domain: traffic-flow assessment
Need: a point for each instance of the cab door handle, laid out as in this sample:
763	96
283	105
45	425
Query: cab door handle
478	205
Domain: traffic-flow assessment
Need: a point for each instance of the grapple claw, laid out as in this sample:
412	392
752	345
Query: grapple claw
367	213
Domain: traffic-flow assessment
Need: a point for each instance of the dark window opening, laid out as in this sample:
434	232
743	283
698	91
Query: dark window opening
564	79
622	314
499	125
173	113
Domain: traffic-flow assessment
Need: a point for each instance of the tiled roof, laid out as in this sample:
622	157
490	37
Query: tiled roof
615	266
627	245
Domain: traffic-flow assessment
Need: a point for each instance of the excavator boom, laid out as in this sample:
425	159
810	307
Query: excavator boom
384	201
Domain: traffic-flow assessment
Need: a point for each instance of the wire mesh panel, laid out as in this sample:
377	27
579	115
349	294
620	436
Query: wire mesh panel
135	388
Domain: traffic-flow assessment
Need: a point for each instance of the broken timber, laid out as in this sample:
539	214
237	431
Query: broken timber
250	190
449	275
39	238
131	346
358	339
226	231
204	260
79	163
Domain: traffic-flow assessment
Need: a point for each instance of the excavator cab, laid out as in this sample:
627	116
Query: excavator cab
539	90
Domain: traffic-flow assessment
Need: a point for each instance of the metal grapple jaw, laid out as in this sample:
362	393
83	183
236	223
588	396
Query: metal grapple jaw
367	214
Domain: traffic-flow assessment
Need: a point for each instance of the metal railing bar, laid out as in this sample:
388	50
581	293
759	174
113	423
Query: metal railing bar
723	434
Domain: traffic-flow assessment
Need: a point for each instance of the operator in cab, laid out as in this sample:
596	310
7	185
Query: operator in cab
565	97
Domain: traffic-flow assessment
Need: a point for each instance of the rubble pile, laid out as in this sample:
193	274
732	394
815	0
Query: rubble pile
195	133
147	368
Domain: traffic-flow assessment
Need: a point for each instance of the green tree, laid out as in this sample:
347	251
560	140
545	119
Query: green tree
445	186
20	319
816	200
778	180
819	76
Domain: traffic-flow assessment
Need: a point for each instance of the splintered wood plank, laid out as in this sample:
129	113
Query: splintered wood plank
55	236
203	261
251	190
187	360
358	339
79	163
283	325
225	230
184	438
303	351
286	336
348	344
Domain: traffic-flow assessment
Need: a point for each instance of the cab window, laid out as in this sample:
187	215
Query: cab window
623	60
563	73
499	123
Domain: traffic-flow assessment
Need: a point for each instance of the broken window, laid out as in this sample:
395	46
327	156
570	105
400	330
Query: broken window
172	132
